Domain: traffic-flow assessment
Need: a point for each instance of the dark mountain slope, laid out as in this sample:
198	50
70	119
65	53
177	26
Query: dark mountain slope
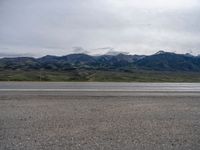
20	63
54	63
169	62
78	59
161	61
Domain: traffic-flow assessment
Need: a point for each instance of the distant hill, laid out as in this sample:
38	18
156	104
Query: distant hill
161	61
165	61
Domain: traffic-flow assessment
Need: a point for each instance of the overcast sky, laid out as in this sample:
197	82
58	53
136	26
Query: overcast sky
59	27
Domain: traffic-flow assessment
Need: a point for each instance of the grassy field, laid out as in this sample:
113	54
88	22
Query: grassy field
101	76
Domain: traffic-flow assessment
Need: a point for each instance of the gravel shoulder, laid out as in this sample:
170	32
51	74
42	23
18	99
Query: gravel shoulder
99	120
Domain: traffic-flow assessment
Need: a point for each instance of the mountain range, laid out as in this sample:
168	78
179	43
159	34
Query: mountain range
160	61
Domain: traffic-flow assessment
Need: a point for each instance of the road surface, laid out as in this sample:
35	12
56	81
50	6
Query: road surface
99	116
97	86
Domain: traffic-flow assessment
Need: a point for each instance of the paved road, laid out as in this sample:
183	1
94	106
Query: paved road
97	86
164	117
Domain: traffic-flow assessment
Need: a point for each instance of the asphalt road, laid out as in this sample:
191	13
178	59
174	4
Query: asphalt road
97	86
99	116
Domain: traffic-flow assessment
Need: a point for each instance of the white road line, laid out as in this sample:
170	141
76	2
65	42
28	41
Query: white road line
100	90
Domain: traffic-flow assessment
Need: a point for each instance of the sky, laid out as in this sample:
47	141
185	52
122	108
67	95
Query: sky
59	27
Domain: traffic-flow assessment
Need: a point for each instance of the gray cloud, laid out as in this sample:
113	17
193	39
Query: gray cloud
42	27
7	55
